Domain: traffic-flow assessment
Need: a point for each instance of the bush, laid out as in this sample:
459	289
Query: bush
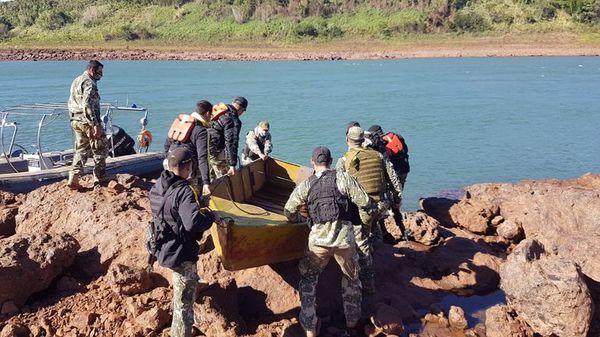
5	26
590	12
52	19
129	33
467	20
312	27
408	21
94	15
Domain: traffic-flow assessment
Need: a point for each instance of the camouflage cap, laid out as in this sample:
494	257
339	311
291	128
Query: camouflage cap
356	133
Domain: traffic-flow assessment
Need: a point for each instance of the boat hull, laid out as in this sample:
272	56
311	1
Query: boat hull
136	164
254	231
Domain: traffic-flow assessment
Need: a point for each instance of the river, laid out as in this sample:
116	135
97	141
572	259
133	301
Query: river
465	120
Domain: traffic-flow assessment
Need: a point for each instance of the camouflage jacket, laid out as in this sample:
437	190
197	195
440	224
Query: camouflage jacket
334	233
391	175
84	101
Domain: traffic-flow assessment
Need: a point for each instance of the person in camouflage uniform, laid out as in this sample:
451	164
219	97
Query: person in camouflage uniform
327	194
179	224
84	111
375	174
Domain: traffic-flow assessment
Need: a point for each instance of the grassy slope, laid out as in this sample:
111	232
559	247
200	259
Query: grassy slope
193	27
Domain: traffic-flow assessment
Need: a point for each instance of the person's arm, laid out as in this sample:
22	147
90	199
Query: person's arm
193	221
167	145
297	199
229	133
252	143
201	143
90	94
268	144
392	177
340	166
351	188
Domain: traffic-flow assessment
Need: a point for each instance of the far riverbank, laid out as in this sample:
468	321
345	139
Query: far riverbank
507	46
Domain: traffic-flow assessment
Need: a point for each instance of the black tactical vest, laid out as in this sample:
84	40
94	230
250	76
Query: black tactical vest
325	202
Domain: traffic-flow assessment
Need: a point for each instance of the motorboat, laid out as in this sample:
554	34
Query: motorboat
22	170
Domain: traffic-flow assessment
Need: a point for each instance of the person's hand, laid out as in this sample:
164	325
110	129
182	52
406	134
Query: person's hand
204	200
217	217
263	156
97	132
206	189
231	171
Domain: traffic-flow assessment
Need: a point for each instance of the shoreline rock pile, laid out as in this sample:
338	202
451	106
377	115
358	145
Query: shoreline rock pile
92	257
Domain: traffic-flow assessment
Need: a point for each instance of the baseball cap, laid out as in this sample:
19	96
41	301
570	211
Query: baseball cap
376	129
242	101
351	124
178	157
321	155
356	133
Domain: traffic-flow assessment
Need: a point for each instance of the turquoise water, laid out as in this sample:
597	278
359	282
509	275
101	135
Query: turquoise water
465	120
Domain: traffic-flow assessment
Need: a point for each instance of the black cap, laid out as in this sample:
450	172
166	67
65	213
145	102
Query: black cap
180	156
351	124
241	101
321	155
376	129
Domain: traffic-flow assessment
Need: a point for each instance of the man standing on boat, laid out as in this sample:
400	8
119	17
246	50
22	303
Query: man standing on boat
225	136
258	144
84	111
374	173
328	194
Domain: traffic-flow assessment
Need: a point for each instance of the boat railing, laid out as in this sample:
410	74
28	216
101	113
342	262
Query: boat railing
48	113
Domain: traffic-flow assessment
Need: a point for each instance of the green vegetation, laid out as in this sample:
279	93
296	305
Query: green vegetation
285	21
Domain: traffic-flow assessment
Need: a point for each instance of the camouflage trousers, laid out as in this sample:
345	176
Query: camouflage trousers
218	165
185	282
311	266
364	235
85	147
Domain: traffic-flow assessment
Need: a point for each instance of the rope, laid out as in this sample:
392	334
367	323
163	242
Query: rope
226	180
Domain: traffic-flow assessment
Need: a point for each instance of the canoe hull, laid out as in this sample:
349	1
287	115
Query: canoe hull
254	231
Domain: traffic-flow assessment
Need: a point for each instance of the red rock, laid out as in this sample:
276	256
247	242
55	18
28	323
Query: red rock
33	260
456	318
9	308
15	330
129	280
153	320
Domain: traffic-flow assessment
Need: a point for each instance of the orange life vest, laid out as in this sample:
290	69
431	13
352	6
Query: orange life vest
394	143
218	110
182	127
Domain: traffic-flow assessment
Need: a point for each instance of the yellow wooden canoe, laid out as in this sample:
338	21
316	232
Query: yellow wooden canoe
254	231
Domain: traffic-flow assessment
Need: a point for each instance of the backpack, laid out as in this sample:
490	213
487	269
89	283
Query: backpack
159	231
394	144
397	152
181	128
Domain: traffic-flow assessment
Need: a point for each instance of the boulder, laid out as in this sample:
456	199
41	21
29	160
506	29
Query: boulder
387	320
33	260
509	230
474	215
501	321
216	311
128	280
9	207
15	330
439	209
423	228
546	291
153	320
462	266
456	318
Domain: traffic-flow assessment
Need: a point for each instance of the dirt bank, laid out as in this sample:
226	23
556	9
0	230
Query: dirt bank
490	47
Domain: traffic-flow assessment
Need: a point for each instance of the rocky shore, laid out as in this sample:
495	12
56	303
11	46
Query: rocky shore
72	264
265	54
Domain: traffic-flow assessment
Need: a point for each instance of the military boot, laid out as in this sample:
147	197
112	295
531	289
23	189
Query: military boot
103	179
73	181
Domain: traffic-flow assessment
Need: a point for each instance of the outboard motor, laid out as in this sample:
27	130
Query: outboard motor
119	142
